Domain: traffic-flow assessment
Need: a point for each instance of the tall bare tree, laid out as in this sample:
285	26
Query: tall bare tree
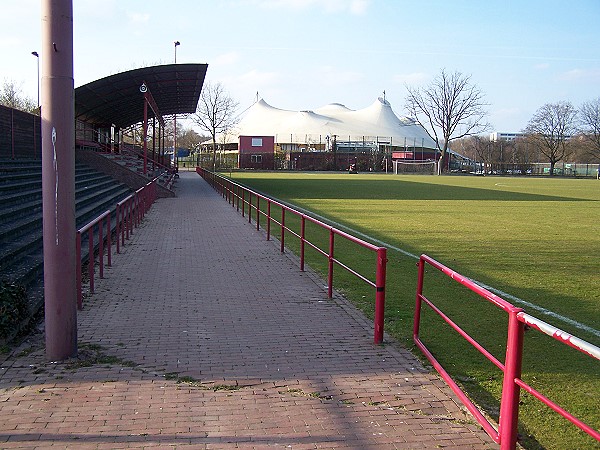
215	113
550	129
450	108
11	95
589	116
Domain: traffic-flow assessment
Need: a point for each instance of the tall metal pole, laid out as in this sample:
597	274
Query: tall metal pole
35	128
175	158
37	56
145	132
58	180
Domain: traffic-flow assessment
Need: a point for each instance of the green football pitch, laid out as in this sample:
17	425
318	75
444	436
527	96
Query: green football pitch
535	241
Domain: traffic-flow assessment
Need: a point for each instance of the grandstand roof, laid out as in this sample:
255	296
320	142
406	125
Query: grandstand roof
375	121
117	99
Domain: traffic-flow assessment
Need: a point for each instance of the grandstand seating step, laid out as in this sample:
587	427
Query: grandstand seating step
21	245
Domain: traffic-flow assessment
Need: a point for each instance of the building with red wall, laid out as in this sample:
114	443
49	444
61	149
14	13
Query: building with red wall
257	152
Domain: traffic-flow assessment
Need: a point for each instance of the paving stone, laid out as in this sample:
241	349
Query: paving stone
203	335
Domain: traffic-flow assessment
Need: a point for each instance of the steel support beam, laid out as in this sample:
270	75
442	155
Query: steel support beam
145	134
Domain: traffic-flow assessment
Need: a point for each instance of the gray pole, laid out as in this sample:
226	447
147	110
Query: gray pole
175	157
58	179
37	57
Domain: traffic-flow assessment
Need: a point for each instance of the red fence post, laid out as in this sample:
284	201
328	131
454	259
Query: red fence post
130	217
330	269
302	238
380	294
142	205
282	229
109	241
134	211
417	318
78	270
101	246
268	219
257	213
243	202
138	209
126	214
91	260
509	406
249	207
118	228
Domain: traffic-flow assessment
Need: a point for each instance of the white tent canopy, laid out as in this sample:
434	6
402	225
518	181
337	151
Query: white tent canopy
376	123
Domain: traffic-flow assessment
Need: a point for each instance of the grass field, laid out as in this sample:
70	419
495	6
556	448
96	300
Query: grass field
537	239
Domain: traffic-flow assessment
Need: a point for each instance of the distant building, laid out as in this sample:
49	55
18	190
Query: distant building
256	152
508	137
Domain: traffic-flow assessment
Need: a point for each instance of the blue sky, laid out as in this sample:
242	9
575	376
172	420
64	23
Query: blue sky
303	54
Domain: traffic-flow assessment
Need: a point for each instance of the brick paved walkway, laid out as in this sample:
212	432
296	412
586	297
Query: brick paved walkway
204	335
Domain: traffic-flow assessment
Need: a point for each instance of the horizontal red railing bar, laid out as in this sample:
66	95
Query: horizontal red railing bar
464	334
93	222
473	409
470	284
89	227
506	435
560	335
558	409
354	272
314	246
126	199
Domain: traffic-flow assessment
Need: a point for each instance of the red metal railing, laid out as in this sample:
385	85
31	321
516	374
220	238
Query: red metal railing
129	214
100	220
506	434
238	195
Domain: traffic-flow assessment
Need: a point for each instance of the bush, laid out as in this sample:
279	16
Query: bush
13	308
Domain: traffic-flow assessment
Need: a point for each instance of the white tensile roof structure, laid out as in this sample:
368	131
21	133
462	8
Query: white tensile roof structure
375	123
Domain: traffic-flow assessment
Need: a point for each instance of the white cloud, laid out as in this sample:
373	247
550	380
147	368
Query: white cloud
243	87
252	81
417	78
329	75
8	42
258	77
581	75
226	59
137	18
356	7
359	7
98	9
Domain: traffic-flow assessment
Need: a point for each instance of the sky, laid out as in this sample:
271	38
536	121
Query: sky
304	54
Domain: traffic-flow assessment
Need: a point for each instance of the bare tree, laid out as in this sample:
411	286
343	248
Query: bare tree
550	128
589	116
188	138
11	95
480	149
449	108
215	113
